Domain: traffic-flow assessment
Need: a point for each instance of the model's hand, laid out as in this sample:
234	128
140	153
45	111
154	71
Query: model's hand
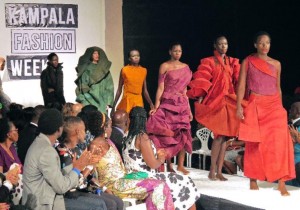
50	90
200	100
240	112
152	111
152	106
191	116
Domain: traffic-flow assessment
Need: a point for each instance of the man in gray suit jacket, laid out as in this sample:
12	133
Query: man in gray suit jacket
44	183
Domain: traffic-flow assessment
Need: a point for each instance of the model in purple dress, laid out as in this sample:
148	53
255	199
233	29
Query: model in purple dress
169	123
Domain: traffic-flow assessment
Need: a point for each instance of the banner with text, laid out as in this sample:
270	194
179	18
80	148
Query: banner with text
32	41
25	67
41	15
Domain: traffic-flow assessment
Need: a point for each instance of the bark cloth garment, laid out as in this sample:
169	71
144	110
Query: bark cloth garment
133	77
94	81
215	81
172	114
269	153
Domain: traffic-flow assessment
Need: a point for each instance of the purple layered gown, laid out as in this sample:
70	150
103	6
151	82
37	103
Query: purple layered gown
169	127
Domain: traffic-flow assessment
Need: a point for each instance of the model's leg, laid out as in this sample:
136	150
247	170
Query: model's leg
215	150
282	188
180	167
221	160
170	166
253	184
239	162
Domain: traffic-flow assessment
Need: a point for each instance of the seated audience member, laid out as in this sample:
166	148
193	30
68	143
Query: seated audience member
7	184
8	136
67	109
232	155
44	183
28	113
84	116
76	108
29	133
294	117
89	108
120	120
15	106
140	154
111	170
74	132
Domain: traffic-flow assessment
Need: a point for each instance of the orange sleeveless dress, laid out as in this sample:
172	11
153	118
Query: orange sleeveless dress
133	77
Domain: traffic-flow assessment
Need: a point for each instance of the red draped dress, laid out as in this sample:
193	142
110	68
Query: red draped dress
269	153
215	80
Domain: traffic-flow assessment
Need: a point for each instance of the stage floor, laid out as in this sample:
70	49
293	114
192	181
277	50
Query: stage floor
237	189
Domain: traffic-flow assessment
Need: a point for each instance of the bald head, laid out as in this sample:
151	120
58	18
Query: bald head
294	111
76	108
2	63
120	119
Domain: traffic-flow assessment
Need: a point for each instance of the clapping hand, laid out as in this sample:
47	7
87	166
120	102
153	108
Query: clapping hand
82	161
97	154
294	133
13	175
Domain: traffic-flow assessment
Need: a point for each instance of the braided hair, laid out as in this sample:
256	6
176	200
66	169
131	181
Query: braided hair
138	117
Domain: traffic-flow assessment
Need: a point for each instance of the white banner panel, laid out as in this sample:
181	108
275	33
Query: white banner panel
32	41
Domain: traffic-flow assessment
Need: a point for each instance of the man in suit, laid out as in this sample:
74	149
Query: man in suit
44	183
120	121
29	133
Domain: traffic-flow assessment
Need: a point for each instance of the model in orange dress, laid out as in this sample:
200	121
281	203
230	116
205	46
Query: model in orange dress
133	83
269	153
213	85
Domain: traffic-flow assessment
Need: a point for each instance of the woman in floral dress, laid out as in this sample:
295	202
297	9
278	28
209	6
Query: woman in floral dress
140	154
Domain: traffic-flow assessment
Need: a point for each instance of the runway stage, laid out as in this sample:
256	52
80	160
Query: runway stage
235	194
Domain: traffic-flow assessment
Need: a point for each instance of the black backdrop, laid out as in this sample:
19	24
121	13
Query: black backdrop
151	25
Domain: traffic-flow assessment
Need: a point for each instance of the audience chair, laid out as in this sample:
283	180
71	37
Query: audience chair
203	135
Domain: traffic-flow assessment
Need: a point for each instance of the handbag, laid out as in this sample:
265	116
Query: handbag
136	175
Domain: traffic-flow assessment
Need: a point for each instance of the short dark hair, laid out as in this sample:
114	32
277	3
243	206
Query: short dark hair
69	121
50	121
89	108
50	56
259	34
219	37
134	49
173	44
